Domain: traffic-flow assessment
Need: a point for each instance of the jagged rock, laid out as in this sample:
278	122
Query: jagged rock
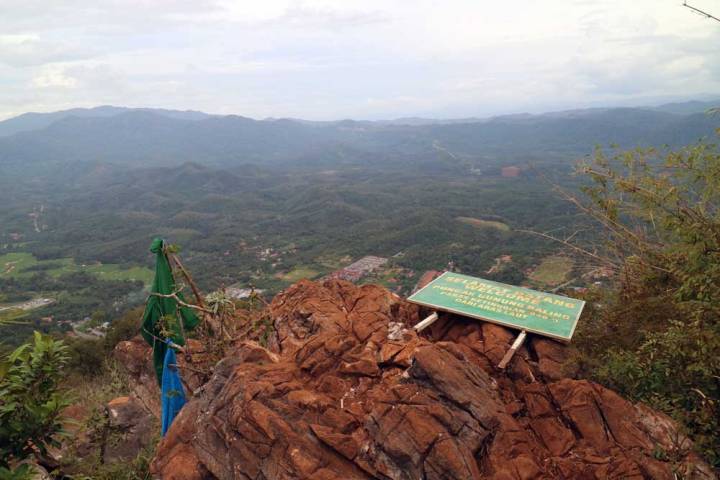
111	433
130	428
342	395
552	358
72	418
135	356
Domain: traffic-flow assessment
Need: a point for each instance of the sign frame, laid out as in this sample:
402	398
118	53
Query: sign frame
503	323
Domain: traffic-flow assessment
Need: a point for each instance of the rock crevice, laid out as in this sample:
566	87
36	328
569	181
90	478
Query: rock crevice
346	390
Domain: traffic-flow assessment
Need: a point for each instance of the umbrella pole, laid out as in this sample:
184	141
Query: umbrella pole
189	279
196	291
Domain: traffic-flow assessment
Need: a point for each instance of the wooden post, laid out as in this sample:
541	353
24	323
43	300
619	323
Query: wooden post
177	347
516	344
189	279
426	323
198	297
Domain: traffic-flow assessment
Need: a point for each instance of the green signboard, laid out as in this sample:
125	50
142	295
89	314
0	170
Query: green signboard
544	313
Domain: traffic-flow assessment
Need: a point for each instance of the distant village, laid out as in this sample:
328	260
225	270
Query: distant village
357	270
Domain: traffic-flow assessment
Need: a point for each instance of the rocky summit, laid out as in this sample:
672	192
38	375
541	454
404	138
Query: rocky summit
345	389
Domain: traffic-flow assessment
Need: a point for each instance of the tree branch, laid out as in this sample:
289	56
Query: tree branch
574	247
180	302
701	12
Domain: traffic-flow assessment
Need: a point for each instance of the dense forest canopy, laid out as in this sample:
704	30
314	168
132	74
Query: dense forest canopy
83	191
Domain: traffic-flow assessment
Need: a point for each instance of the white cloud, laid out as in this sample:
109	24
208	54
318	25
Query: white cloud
24	50
371	58
54	77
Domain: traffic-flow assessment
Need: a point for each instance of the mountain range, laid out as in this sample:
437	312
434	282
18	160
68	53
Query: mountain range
94	186
106	168
145	137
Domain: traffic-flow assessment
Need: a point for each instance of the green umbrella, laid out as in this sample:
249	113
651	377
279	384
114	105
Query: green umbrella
160	320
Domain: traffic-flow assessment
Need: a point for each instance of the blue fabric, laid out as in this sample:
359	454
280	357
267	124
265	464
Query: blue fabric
173	395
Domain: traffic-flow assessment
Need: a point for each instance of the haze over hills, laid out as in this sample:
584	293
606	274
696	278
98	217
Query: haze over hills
377	240
145	137
84	186
36	121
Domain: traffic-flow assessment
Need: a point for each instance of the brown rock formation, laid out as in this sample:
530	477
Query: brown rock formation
135	356
132	429
346	391
111	433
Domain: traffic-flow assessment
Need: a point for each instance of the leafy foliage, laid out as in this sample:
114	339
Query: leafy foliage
136	469
86	355
30	401
21	472
83	454
675	371
657	336
123	328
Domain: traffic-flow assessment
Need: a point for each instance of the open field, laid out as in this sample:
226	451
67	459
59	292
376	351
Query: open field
27	305
552	271
11	315
393	278
25	265
298	273
114	272
477	222
13	312
334	262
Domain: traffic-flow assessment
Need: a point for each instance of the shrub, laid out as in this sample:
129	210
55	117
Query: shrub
30	400
656	335
124	328
87	356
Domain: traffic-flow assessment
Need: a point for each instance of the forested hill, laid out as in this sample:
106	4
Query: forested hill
94	186
145	137
36	121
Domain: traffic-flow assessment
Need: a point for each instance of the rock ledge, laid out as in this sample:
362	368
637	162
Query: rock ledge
345	390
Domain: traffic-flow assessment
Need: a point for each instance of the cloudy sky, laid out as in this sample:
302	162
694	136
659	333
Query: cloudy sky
330	59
